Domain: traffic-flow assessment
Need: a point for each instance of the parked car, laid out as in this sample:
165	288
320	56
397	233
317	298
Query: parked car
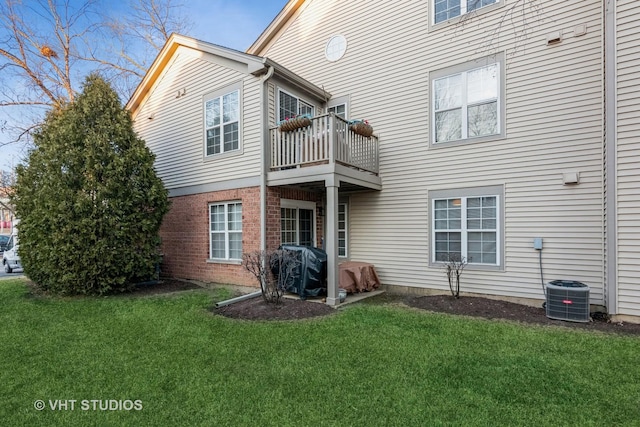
4	239
10	257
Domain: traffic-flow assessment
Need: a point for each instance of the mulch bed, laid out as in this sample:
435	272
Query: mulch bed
496	309
163	287
292	309
251	309
288	309
295	309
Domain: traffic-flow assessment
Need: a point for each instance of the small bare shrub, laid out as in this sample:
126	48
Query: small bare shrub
273	270
454	266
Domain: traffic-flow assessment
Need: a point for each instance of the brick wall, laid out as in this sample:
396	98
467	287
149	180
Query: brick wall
185	232
274	194
185	237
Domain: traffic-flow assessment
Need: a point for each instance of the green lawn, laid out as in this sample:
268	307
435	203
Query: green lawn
367	365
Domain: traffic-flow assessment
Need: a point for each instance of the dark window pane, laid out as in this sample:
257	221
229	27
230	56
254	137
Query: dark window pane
231	137
306	227
288	106
483	119
213	141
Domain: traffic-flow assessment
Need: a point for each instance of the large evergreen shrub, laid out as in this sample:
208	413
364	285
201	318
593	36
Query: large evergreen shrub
89	201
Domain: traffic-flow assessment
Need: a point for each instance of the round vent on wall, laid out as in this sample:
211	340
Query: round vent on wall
335	48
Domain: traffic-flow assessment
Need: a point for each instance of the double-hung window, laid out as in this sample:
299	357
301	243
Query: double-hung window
467	102
291	106
222	123
225	222
444	10
468	227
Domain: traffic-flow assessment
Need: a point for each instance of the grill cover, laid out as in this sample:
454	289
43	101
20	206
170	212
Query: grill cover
309	278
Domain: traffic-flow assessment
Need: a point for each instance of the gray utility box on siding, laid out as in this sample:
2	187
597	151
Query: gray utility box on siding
568	300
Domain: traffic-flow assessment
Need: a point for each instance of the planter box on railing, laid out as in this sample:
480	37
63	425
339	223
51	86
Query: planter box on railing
361	127
326	140
289	125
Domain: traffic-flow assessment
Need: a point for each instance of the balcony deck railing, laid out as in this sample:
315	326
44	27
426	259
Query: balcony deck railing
327	140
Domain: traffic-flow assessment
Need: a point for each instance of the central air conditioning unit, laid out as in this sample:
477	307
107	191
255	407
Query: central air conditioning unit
567	300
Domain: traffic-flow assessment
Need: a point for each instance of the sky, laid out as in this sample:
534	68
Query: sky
231	23
235	24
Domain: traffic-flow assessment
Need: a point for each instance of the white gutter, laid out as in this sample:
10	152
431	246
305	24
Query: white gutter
610	132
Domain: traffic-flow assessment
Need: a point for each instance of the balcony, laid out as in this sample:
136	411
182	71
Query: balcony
327	141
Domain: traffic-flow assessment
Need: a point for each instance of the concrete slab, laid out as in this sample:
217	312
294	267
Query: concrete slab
351	298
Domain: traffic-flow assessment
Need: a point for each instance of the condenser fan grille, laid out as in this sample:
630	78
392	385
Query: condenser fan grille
568	300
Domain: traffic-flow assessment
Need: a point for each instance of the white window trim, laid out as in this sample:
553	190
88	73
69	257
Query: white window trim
492	191
463	15
219	93
300	204
226	231
466	68
464	230
293	95
346	231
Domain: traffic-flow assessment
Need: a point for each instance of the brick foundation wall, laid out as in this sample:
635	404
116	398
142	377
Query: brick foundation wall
185	237
185	232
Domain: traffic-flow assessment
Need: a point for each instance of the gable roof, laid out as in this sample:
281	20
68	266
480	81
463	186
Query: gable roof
275	26
256	65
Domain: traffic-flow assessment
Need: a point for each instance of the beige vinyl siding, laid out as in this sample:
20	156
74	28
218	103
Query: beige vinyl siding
176	132
271	109
628	160
554	124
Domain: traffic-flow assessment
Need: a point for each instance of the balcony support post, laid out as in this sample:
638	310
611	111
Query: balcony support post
331	243
332	130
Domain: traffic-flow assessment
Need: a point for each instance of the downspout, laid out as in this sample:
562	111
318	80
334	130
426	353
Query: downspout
263	188
263	157
238	299
610	131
